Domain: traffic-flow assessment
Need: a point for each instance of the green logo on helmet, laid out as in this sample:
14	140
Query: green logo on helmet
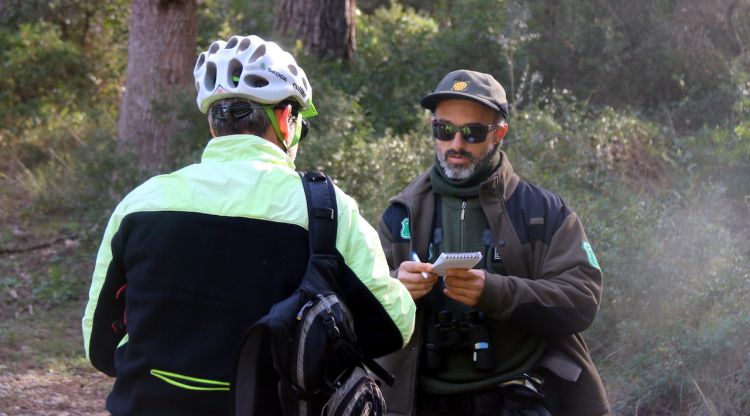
405	230
590	254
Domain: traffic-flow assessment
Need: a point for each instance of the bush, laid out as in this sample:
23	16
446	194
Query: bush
666	211
369	166
37	110
669	232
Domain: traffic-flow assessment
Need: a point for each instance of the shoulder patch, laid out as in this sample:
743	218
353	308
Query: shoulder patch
405	232
586	246
396	219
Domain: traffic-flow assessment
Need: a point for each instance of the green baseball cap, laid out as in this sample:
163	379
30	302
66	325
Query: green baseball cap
469	85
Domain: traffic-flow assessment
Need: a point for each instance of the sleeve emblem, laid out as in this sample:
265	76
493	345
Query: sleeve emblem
405	230
590	254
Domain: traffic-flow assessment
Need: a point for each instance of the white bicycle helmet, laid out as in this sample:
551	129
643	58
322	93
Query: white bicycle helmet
252	68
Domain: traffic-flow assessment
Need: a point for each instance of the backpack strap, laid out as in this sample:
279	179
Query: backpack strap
322	218
436	239
322	211
322	228
245	376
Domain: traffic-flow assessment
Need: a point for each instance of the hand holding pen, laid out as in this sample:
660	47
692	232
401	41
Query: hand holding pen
415	258
416	276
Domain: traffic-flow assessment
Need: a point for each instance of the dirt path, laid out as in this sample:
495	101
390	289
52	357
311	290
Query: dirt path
40	392
42	369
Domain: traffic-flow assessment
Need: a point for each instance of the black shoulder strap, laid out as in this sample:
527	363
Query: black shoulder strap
322	214
243	389
322	217
322	211
436	239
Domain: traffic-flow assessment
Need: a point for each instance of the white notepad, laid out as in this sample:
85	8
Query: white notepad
455	261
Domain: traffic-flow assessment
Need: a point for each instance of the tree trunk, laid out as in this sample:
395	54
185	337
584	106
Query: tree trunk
161	56
325	27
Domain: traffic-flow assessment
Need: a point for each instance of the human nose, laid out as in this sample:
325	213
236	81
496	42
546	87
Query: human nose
458	141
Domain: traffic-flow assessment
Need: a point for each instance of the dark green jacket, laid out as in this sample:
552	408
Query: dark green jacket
552	287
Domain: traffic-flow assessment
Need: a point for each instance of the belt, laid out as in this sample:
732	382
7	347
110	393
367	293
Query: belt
470	403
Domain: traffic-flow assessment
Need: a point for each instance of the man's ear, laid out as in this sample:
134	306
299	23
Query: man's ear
211	127
501	130
282	117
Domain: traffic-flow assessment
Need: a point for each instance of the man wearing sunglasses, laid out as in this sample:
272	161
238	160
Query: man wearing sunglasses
501	338
191	259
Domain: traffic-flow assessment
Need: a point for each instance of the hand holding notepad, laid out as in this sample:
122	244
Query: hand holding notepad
455	261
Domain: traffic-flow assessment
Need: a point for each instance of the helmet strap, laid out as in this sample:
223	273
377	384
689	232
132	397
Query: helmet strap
276	127
297	131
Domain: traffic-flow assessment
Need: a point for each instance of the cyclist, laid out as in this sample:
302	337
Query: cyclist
191	259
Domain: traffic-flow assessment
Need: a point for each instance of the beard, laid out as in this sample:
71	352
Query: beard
458	173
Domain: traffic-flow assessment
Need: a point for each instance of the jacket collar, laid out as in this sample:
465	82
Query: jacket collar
239	147
419	200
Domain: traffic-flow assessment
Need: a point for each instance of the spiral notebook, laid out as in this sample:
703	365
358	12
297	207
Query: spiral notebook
455	261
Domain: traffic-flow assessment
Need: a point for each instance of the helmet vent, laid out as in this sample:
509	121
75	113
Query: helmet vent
214	47
232	43
256	81
292	69
244	44
210	79
234	70
257	54
198	86
304	81
201	61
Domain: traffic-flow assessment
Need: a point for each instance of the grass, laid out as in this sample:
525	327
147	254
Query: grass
43	370
48	338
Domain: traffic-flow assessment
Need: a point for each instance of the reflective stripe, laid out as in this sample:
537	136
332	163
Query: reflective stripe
123	341
172	378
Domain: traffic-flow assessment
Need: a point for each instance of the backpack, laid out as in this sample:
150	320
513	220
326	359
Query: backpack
310	334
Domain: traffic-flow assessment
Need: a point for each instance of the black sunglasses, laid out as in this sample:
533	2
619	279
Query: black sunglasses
471	133
305	129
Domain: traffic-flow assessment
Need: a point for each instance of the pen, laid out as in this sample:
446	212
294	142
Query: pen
415	257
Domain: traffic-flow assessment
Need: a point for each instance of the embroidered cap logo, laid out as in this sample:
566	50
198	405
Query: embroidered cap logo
460	85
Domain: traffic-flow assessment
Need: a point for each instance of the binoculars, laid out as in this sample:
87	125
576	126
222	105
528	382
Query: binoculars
467	333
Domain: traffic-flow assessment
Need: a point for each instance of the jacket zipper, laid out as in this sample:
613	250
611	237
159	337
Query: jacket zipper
461	226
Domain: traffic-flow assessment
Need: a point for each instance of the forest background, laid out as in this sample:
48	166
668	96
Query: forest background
637	113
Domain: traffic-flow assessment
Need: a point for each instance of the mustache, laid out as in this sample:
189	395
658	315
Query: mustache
463	153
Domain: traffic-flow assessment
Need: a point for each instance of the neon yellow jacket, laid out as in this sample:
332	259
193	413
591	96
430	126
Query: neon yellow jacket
191	259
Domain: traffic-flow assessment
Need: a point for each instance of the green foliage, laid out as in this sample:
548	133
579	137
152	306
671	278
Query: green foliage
88	179
220	19
637	113
371	172
365	163
31	98
564	142
55	288
56	83
658	55
401	44
667	224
